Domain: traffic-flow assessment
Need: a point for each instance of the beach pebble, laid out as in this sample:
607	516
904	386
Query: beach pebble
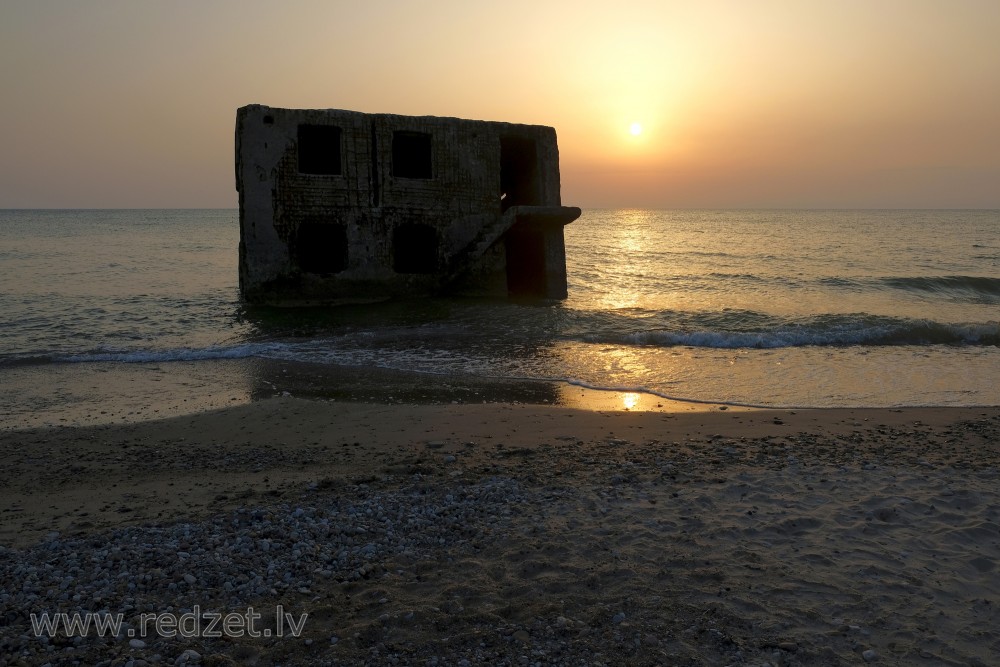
869	655
618	618
136	643
189	579
187	657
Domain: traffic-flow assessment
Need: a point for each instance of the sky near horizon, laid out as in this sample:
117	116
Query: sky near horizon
772	103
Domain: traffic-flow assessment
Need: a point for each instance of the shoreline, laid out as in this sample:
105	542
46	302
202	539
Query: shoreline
113	393
699	537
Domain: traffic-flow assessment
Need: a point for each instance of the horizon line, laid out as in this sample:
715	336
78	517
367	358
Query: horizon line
584	208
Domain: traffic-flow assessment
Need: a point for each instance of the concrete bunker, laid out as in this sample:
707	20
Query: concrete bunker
340	206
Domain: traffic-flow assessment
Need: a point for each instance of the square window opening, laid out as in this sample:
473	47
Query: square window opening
319	150
411	155
321	248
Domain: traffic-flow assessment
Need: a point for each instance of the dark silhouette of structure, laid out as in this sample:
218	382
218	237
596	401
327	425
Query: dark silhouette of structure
340	206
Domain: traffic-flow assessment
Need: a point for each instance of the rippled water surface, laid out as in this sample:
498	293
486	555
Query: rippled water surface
780	308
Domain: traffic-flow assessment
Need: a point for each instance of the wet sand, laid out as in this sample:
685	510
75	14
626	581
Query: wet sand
716	536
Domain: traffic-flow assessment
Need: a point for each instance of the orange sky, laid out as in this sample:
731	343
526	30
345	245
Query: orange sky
873	103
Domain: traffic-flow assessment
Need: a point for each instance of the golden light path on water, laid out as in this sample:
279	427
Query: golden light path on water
717	281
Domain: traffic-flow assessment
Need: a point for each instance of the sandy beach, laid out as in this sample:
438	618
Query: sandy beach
512	534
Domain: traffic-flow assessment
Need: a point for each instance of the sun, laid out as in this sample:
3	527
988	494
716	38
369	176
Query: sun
635	129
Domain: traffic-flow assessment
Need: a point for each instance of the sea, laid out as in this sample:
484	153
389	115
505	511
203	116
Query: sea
119	315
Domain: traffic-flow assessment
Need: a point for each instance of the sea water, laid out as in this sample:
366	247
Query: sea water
774	308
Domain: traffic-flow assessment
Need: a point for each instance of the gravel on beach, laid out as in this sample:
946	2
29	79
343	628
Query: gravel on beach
875	544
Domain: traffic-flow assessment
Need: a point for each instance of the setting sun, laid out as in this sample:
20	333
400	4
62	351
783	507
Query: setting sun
635	129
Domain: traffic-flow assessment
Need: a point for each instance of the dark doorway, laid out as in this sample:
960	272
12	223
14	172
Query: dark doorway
321	247
414	249
518	172
525	262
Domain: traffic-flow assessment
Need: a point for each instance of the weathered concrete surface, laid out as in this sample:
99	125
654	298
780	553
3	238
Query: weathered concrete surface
339	206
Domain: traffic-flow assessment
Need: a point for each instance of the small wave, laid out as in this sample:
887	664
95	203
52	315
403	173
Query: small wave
970	286
15	361
136	356
840	282
974	289
741	277
829	331
178	354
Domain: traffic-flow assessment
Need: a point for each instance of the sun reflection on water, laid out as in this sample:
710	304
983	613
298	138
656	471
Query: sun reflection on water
629	237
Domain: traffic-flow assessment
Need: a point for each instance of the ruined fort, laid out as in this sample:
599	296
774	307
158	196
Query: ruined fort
340	206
